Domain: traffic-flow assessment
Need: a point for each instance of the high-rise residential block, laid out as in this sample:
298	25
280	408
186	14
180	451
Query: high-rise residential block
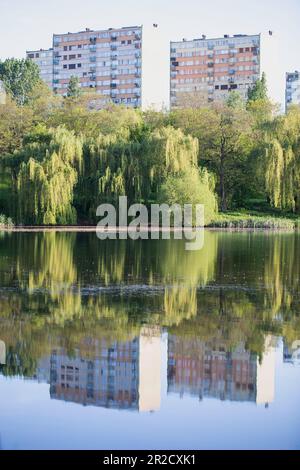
108	61
44	59
292	90
205	70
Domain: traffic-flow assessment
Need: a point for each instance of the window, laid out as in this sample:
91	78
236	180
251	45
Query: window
37	55
72	66
31	56
72	56
65	48
79	56
65	66
79	46
65	57
79	66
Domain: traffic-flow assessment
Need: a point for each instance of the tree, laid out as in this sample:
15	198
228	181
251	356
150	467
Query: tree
282	162
235	100
259	91
73	87
191	187
224	135
46	180
19	76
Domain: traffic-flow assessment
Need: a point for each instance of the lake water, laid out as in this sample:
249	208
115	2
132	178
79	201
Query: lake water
143	345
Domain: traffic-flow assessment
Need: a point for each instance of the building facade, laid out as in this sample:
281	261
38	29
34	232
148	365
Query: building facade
109	62
207	70
44	59
292	89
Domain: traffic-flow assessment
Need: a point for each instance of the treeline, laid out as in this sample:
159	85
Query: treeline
62	157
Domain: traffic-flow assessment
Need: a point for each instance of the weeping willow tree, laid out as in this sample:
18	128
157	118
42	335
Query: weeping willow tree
134	163
282	174
46	178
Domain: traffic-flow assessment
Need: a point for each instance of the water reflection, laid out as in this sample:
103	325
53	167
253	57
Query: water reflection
123	375
209	370
127	374
128	325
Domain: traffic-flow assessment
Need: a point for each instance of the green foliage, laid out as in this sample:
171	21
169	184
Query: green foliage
259	91
73	90
283	161
5	222
19	77
224	134
191	187
241	220
134	163
46	180
251	153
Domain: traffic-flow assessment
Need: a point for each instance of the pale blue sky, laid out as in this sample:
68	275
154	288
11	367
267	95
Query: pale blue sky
29	24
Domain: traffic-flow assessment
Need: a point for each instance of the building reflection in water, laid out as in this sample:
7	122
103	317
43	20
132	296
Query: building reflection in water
127	374
123	375
208	369
2	352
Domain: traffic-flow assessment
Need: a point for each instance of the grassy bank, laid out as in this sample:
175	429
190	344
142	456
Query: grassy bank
255	220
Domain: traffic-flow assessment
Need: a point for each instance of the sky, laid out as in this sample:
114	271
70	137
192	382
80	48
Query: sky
29	24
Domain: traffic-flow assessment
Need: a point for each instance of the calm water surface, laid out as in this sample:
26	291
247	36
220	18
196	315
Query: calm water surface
127	345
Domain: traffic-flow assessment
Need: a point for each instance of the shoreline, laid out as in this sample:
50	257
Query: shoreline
90	229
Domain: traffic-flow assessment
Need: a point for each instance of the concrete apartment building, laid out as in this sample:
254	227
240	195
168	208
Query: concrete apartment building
207	70
292	89
44	59
108	61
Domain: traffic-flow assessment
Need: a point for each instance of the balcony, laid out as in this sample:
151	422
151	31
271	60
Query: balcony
93	59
